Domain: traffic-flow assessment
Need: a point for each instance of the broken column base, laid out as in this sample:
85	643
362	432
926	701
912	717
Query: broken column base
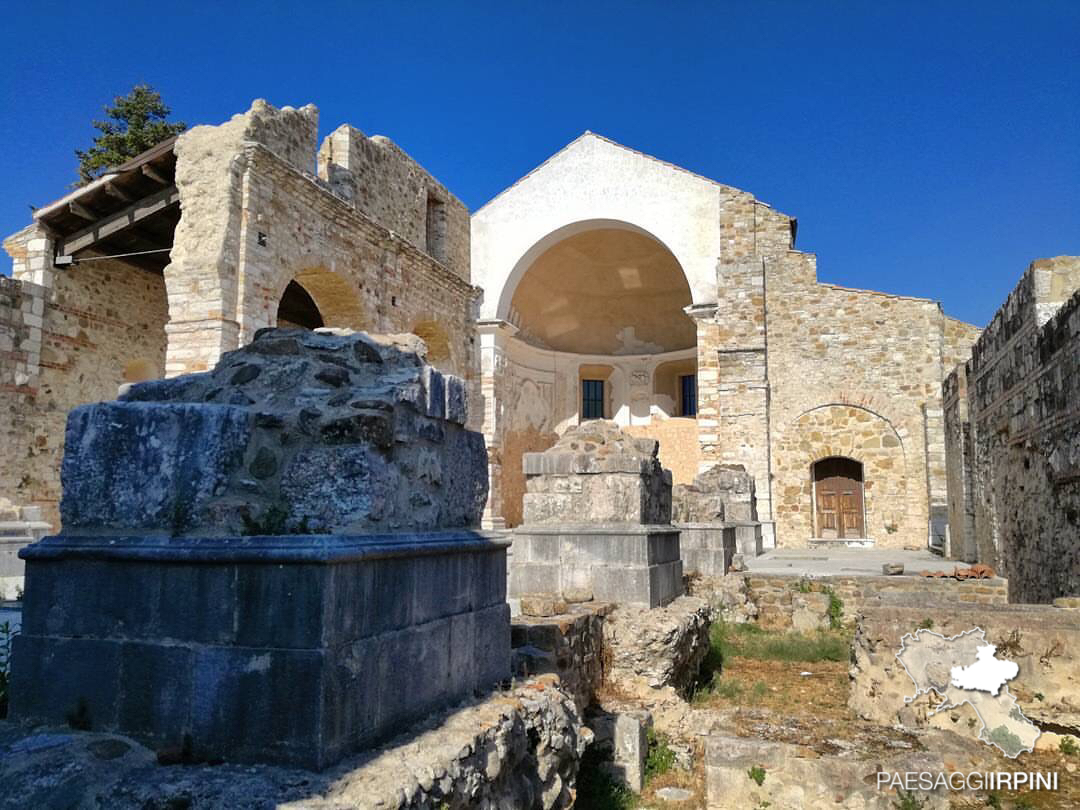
708	548
284	649
630	565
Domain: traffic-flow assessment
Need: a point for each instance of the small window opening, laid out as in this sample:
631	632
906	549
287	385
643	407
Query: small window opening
436	228
688	394
592	399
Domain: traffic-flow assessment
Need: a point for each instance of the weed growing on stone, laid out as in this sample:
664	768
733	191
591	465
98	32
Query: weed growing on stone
926	624
660	758
757	774
993	800
1040	696
907	800
1068	747
836	608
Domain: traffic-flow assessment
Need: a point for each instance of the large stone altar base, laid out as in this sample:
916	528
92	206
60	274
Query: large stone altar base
273	561
597	522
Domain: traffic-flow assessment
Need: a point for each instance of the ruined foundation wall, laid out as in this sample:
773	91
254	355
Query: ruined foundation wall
1024	407
98	325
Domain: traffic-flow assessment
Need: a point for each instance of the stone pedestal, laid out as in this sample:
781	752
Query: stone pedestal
707	548
597	512
634	565
717	515
297	650
270	562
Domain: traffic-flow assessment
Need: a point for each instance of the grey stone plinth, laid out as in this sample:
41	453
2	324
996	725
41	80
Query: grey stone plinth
748	537
291	649
632	564
708	548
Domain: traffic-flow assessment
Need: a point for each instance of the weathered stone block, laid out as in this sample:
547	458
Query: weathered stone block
243	640
148	465
198	597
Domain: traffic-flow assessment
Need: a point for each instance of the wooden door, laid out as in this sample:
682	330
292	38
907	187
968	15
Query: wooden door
838	489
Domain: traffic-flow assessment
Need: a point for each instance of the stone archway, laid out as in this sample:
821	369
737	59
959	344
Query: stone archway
319	297
588	314
892	515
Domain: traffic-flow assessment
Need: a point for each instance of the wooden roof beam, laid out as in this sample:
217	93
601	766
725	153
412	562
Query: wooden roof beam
103	228
112	190
154	174
80	210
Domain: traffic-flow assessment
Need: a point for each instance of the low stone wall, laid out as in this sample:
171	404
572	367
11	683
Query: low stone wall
789	778
569	645
774	599
657	648
516	749
595	645
1043	640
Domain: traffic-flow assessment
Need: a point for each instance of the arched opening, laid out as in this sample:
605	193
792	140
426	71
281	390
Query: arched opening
588	316
838	498
606	291
319	297
298	309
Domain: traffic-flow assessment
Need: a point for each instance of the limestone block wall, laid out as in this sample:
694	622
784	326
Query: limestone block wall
857	374
958	449
74	339
255	217
391	188
1024	409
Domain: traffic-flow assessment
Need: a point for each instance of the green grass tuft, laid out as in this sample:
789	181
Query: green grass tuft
750	641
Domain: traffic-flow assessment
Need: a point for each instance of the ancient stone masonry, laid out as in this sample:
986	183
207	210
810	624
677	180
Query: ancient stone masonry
516	749
717	518
1014	478
597	521
364	235
248	556
782	371
1042	639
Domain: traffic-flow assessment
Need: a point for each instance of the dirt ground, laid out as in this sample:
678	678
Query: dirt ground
806	703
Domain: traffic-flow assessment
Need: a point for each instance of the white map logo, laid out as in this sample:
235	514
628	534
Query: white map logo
963	669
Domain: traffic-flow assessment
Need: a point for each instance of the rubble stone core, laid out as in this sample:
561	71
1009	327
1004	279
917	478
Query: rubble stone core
598	521
250	554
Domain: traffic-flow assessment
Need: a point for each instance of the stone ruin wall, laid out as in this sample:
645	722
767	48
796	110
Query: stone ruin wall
1021	464
78	333
857	373
96	326
351	236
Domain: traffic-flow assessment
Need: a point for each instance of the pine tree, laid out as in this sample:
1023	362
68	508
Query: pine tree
138	121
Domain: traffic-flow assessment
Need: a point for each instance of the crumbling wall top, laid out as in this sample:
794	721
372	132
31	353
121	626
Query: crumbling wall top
299	432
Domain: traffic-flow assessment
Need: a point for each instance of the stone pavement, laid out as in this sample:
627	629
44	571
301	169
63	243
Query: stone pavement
850	562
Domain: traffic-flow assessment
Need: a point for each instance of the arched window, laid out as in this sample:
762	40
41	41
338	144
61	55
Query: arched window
838	498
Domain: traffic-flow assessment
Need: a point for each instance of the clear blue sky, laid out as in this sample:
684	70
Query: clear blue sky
928	149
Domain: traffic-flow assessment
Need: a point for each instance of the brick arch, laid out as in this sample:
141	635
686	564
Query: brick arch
866	436
434	334
338	299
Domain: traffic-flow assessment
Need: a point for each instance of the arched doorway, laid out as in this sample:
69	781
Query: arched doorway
838	498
